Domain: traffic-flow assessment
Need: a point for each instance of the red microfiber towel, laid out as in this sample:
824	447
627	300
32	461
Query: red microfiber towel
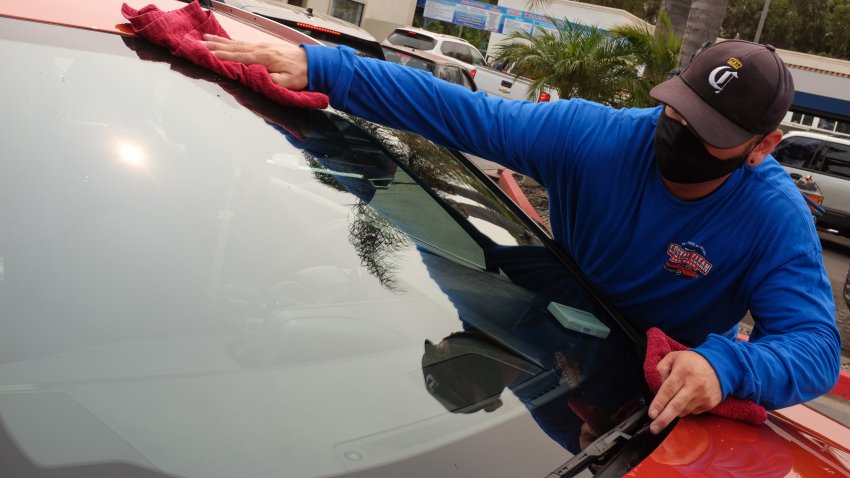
658	345
180	30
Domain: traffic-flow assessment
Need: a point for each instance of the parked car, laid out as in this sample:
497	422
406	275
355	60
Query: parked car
443	68
197	282
510	86
437	43
827	160
488	80
328	29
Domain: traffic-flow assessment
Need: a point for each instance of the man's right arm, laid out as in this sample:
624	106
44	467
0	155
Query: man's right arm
523	136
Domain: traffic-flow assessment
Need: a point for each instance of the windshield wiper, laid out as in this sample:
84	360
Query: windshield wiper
626	431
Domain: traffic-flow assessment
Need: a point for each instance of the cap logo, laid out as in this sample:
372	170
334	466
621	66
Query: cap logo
720	77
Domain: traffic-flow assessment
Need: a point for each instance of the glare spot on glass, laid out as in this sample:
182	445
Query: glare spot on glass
131	154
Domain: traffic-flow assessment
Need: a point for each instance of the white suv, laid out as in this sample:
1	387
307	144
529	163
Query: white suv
827	160
437	43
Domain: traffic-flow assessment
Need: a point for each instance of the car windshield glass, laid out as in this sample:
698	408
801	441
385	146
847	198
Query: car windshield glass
197	282
411	39
403	58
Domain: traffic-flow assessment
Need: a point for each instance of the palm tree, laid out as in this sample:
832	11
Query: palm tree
695	21
577	61
657	50
704	21
677	15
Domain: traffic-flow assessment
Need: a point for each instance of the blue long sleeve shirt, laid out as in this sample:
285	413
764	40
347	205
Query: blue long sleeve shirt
691	268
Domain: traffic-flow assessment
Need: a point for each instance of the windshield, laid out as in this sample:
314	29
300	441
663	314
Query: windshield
410	39
406	59
196	282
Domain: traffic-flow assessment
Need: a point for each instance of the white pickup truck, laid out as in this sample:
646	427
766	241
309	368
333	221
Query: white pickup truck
506	85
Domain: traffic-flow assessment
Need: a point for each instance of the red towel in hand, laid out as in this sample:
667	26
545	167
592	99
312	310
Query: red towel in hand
180	31
658	345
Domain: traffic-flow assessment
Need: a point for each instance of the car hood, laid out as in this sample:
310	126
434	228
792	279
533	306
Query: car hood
795	441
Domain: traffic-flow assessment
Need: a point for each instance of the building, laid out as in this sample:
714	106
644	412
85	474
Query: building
821	93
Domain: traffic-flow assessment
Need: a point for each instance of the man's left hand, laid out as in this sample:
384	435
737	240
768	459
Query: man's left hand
688	386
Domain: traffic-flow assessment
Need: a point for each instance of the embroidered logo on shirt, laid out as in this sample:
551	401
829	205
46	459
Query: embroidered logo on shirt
687	260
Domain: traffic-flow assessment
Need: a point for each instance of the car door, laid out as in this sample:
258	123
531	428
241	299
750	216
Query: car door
796	153
831	171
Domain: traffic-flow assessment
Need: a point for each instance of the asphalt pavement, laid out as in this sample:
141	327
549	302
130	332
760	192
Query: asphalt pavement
836	259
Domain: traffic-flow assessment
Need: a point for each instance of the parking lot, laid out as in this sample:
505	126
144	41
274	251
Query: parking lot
836	257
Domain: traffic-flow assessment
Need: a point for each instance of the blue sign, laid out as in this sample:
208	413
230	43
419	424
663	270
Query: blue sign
485	16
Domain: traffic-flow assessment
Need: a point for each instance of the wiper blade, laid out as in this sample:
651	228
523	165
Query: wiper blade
622	433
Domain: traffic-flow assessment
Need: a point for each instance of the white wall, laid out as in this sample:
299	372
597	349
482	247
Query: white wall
380	17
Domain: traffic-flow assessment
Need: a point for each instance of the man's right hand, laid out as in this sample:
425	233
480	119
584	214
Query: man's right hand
287	64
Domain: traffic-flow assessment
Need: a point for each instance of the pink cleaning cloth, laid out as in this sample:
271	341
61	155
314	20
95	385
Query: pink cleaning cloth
180	30
658	344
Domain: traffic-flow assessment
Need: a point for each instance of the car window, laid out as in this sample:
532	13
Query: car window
396	56
797	151
411	39
457	51
462	52
448	48
834	159
477	57
451	74
465	53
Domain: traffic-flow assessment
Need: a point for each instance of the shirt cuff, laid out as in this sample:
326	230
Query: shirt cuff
329	71
721	353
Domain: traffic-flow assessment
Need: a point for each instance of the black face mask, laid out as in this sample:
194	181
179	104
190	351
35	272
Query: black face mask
681	157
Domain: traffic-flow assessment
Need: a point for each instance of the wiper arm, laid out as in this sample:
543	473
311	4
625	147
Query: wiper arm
621	433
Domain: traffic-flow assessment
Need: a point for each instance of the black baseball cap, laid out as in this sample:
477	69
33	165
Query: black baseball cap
731	91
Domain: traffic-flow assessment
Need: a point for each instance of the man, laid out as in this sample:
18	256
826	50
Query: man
677	214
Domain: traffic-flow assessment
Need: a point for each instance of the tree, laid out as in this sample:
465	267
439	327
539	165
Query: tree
577	61
819	27
705	18
695	21
656	50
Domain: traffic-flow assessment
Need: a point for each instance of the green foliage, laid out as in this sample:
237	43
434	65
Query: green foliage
588	63
820	27
656	50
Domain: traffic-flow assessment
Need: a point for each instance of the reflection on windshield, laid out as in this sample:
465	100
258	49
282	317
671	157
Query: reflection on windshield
260	289
575	384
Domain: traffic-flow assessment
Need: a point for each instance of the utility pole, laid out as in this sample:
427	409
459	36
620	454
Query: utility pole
761	20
